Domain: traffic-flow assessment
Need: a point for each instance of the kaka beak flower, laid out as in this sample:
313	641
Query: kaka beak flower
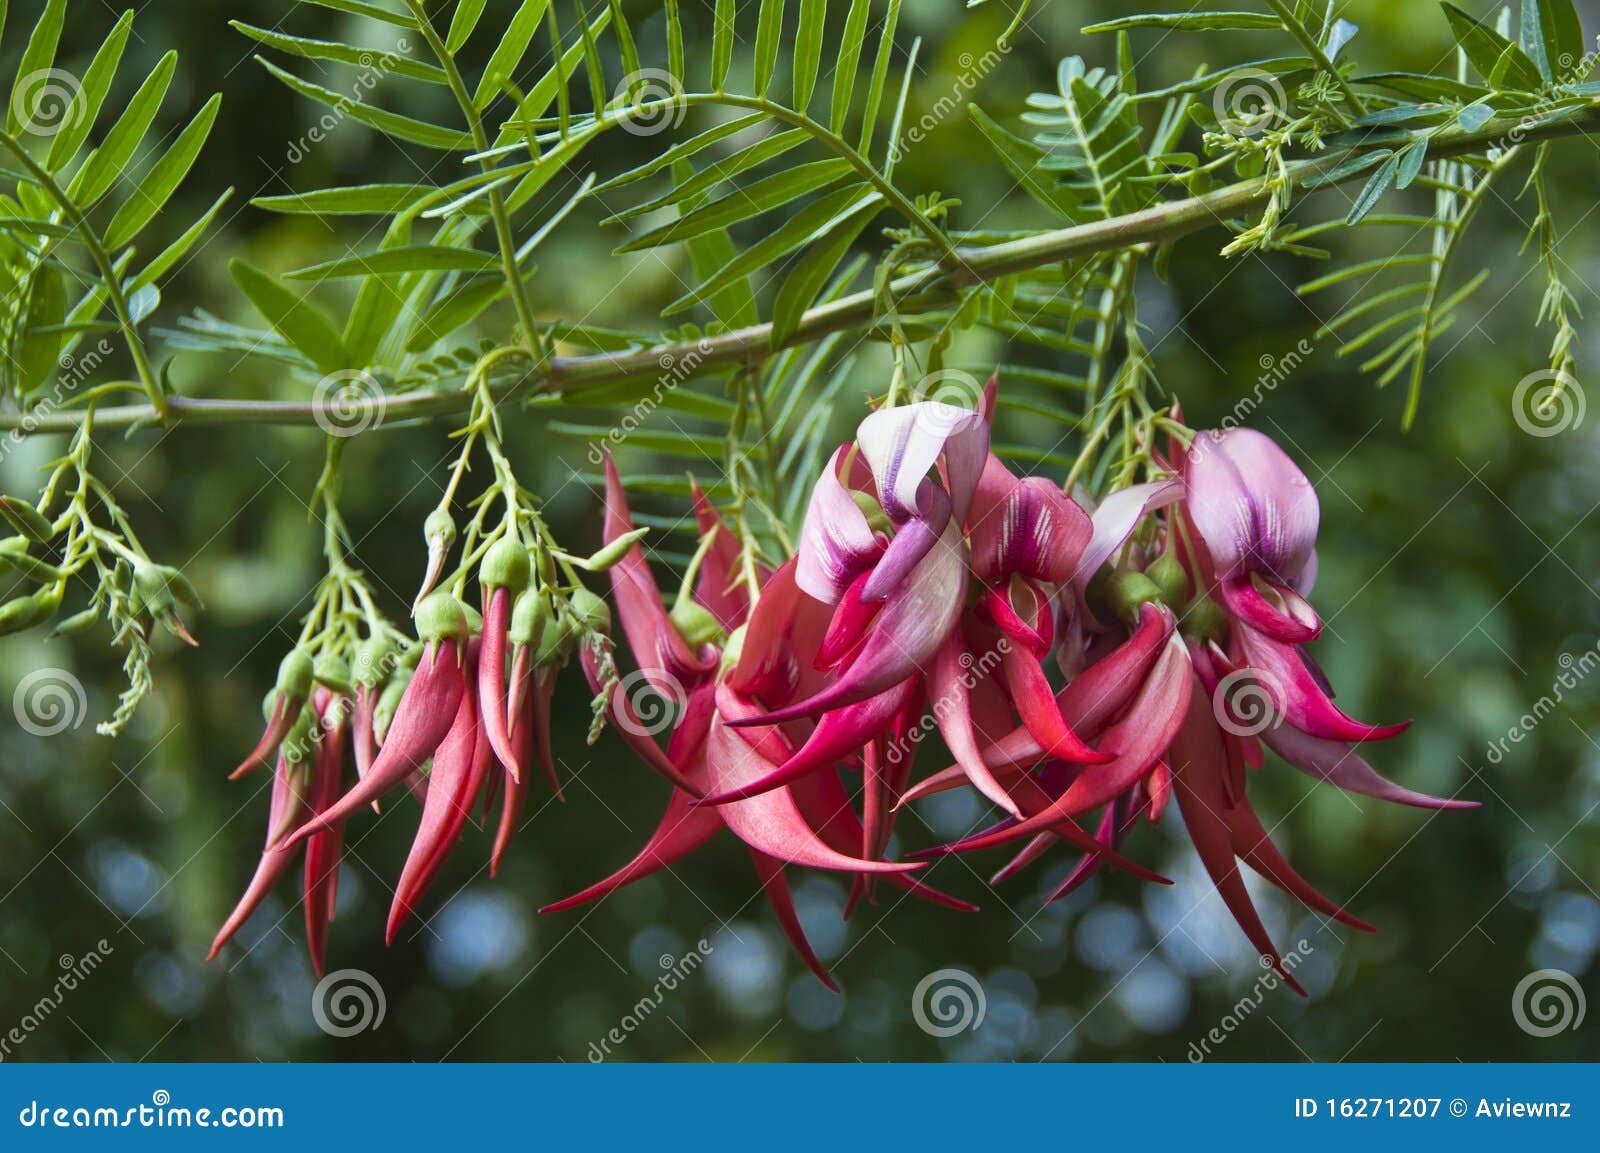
1257	515
297	792
504	573
295	679
424	716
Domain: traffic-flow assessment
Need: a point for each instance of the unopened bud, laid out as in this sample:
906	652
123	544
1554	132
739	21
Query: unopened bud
296	673
529	618
334	672
592	614
1170	577
695	623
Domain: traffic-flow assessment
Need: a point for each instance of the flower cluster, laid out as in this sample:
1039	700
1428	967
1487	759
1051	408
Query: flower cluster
932	589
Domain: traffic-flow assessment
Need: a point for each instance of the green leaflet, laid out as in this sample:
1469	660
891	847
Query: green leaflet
152	194
389	261
765	194
353	200
41	339
298	321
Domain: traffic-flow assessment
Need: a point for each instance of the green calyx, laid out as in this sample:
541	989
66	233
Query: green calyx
1204	619
439	530
506	565
877	519
1169	575
441	616
375	660
591	613
296	674
299	741
1127	591
388	701
530	616
334	672
695	624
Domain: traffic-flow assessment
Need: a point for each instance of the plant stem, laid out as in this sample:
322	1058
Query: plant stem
1157	224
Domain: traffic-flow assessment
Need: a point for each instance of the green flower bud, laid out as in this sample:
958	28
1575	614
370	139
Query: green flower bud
26	612
555	642
611	555
334	672
733	648
30	567
27	519
592	614
506	565
76	623
374	658
695	624
1129	590
410	657
1169	575
296	672
529	618
441	616
439	530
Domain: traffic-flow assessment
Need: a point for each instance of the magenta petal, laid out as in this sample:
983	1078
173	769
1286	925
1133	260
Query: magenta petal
951	690
912	626
771	823
1284	616
910	544
838	734
1114	521
682	830
1251	504
901	445
662	654
1036	531
836	542
1341	765
1298	697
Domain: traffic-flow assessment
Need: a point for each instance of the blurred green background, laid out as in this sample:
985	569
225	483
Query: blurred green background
1458	566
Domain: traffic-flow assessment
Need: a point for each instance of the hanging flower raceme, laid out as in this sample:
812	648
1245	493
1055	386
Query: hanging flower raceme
1196	666
1080	668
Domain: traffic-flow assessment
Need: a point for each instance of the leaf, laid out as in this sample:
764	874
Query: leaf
1474	116
462	23
1490	52
298	321
176	251
713	174
880	77
811	223
389	123
1342	32
152	193
507	56
109	161
374	63
808	50
849	55
460	307
1374	190
388	261
91	96
741	204
769	27
1552	37
1189	21
36	60
682	151
1419	86
352	200
370	11
39	347
722	21
1411	158
801	286
1021	158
